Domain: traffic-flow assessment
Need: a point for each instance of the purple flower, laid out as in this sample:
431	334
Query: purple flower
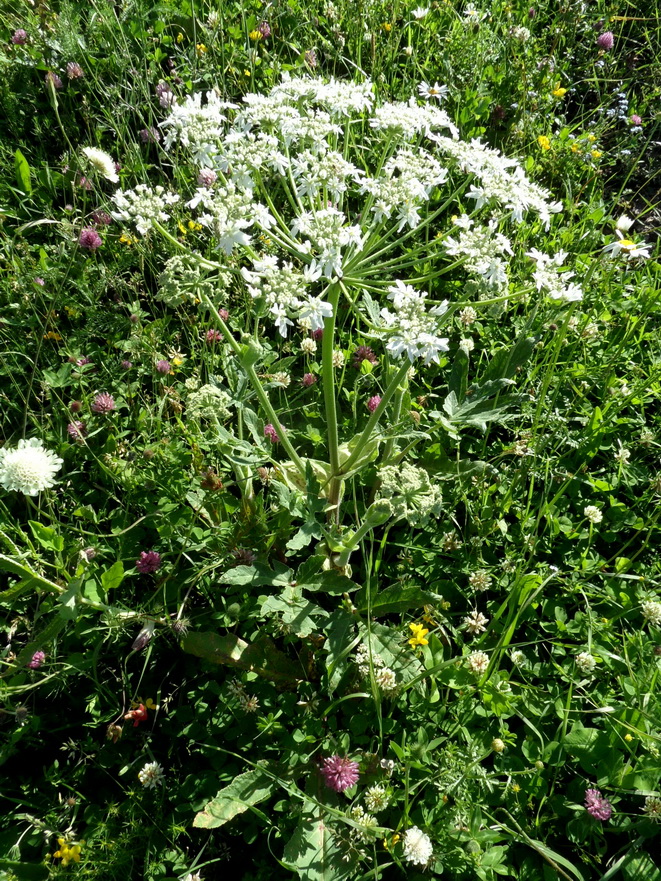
103	403
597	806
76	431
38	280
126	365
317	334
271	433
213	336
165	95
363	353
101	218
148	561
338	773
149	135
224	314
373	403
52	79
90	239
207	177
605	41
264	29
163	366
308	380
74	70
37	660
85	183
81	362
635	119
19	37
243	556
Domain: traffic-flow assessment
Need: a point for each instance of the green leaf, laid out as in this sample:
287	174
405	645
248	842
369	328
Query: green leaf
329	582
395	599
297	613
114	576
69	601
242	793
46	536
27	871
458	381
261	656
24	571
505	362
340	642
309	530
311	852
258	575
22	172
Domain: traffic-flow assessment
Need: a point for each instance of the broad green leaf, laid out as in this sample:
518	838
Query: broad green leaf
242	793
24	571
328	582
27	871
46	536
69	600
309	530
311	852
114	576
302	616
261	656
458	381
395	599
505	362
22	171
340	642
258	575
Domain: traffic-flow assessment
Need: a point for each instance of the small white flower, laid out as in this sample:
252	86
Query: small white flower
518	658
29	468
478	662
377	798
420	12
417	846
628	248
308	346
475	623
624	223
585	662
593	514
651	612
102	162
467	345
652	807
480	580
151	775
436	91
338	358
623	455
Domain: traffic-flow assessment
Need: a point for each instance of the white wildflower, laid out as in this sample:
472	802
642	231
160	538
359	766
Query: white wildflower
435	91
102	162
28	469
475	623
411	331
651	612
467	345
624	223
622	455
548	278
593	514
308	346
338	359
628	248
478	662
420	12
377	798
652	807
386	680
143	205
480	579
585	662
151	775
518	658
417	846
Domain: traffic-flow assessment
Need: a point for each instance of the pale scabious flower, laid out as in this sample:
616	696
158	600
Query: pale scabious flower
593	514
411	329
478	662
549	279
143	205
151	775
480	579
29	468
376	798
101	162
585	662
475	623
417	846
651	612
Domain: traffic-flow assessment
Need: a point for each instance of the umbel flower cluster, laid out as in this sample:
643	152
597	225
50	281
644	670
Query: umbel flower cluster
318	185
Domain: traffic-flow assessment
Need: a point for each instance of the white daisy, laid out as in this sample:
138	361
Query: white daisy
435	91
102	162
29	468
420	12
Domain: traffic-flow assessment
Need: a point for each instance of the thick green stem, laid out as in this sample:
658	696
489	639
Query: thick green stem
328	377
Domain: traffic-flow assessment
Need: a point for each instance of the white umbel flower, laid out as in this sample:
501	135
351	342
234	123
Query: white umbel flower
151	775
29	468
102	162
417	846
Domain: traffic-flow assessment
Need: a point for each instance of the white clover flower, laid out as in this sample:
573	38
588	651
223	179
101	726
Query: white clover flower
102	162
151	775
585	662
30	468
622	455
475	623
478	662
417	846
338	359
593	514
652	807
518	658
143	205
386	680
308	346
480	579
377	798
651	612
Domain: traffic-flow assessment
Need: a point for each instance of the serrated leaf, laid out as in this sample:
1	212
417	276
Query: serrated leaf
261	656
300	615
309	530
114	576
242	793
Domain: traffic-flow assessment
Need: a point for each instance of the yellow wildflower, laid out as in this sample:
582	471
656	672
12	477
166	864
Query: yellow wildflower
387	27
558	92
200	48
126	240
182	229
246	73
255	35
419	633
575	148
193	226
544	142
592	138
180	37
628	738
597	154
71	312
52	335
516	788
67	852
